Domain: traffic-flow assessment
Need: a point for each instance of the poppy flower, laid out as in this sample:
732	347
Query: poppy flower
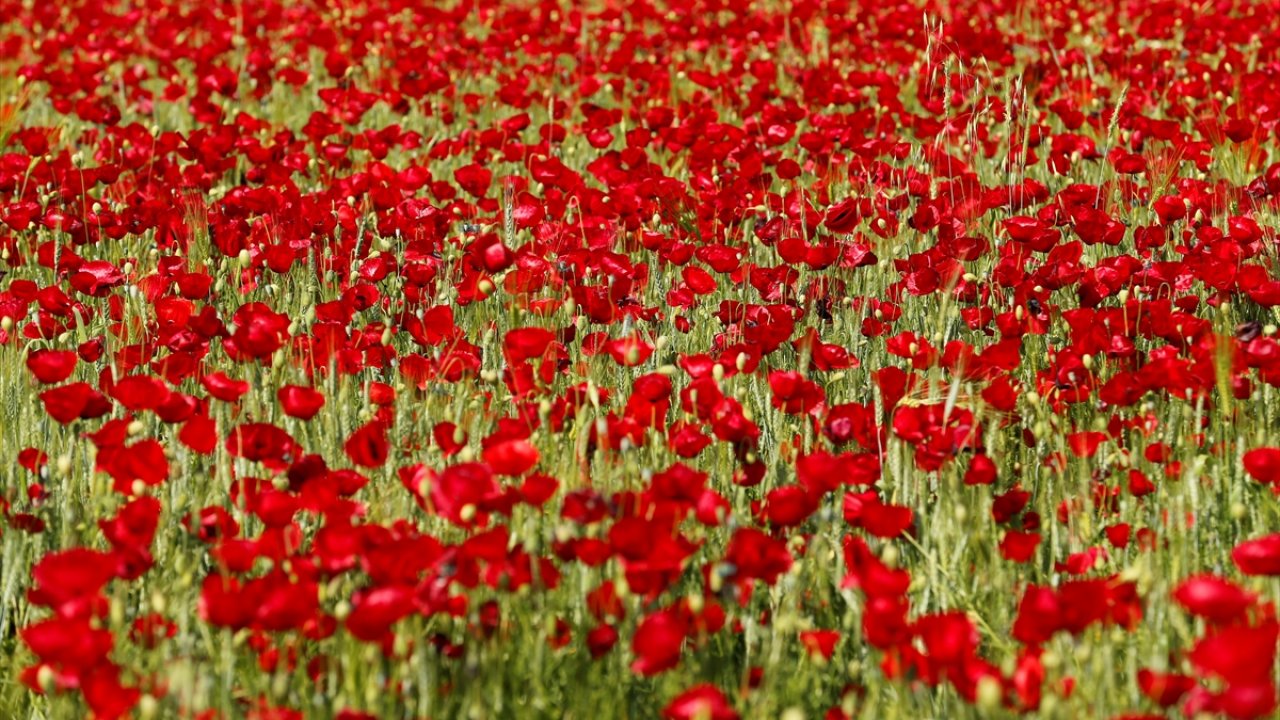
459	493
1164	689
1018	546
96	278
224	388
701	702
1213	598
657	642
1260	556
793	394
511	457
820	643
69	581
367	446
72	644
262	442
600	640
51	366
140	392
375	611
1263	464
752	554
78	400
1240	655
300	402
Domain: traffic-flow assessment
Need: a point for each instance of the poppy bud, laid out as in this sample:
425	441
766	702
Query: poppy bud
45	678
889	556
715	582
989	693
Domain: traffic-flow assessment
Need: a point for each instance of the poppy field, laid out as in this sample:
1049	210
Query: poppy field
695	360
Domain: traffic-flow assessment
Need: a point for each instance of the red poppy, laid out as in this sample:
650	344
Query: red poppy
1260	556
367	446
657	642
51	366
66	403
300	402
1213	598
701	702
224	388
820	643
1263	464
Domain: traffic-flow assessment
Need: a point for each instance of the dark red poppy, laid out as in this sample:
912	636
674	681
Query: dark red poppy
367	446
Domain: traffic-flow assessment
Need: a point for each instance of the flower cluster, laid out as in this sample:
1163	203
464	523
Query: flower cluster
712	359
